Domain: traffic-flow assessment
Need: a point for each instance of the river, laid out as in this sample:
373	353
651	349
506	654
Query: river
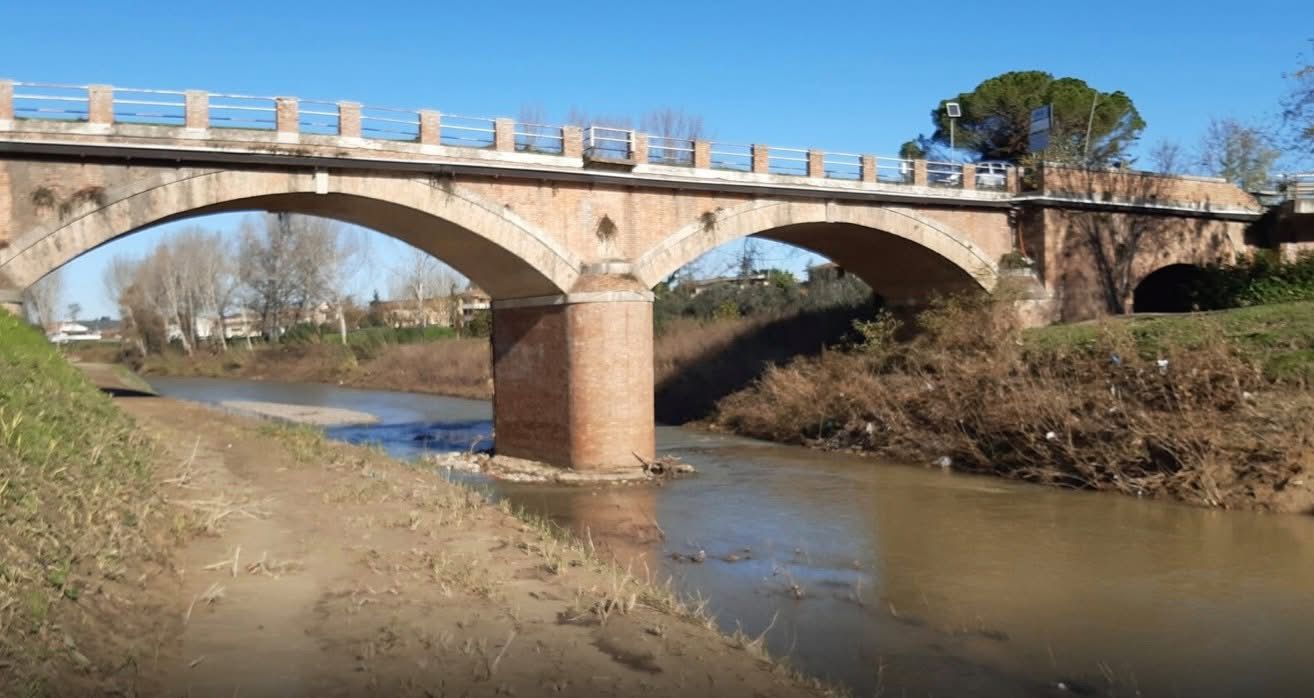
899	580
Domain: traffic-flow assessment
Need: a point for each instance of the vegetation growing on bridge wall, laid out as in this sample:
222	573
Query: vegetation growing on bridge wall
1258	279
1209	411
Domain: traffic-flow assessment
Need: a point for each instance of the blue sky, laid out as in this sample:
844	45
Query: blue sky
851	76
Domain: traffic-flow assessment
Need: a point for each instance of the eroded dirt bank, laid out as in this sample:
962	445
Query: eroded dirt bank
333	570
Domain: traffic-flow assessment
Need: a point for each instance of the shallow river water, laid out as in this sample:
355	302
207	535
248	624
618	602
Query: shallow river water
899	580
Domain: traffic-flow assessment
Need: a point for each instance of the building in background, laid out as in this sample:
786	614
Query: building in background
70	332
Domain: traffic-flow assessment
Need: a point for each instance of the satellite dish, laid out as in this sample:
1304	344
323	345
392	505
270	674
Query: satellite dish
952	110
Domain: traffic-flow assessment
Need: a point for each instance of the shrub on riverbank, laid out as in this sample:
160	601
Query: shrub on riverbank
1188	411
76	496
1257	279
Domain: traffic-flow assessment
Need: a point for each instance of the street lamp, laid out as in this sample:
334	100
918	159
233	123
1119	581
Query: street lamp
953	111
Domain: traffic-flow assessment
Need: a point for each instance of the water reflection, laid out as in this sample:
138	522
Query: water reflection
903	580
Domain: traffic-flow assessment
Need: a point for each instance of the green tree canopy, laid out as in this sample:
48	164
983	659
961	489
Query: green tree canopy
996	119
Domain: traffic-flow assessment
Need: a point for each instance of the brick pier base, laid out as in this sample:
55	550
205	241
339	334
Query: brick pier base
12	301
573	380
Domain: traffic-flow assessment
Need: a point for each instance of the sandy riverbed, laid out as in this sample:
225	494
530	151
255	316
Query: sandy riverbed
301	414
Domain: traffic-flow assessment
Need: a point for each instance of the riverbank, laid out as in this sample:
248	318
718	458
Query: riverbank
695	363
1209	409
221	555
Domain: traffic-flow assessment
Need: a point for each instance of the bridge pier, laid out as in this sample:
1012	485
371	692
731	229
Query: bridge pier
573	379
12	300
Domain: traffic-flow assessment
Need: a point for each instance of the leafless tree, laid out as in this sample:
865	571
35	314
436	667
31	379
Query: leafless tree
42	299
1298	106
214	268
344	252
165	288
530	122
583	119
119	279
1238	152
286	264
671	122
1168	157
420	277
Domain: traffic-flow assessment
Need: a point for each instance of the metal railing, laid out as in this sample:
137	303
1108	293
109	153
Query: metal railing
388	124
149	106
539	138
894	170
82	103
732	156
468	131
842	166
991	177
670	151
50	100
602	142
243	111
789	161
318	117
1300	187
944	174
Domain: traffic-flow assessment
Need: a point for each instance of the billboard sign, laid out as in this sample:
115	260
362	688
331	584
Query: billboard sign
1038	134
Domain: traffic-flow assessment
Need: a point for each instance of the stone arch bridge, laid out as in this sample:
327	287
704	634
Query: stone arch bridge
569	228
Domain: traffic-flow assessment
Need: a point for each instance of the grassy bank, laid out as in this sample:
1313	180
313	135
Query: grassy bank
81	523
181	548
1211	409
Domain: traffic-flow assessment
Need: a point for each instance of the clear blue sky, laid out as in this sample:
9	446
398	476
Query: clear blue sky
845	76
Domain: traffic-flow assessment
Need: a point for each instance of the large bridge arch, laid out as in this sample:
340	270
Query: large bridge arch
897	251
502	253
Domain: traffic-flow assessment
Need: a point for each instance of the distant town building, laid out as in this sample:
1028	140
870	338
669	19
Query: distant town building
68	332
821	273
697	286
238	325
473	300
432	312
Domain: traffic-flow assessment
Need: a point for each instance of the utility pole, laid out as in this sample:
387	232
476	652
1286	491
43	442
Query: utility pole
953	111
1090	123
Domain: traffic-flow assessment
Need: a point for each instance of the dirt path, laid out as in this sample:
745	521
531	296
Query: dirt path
333	570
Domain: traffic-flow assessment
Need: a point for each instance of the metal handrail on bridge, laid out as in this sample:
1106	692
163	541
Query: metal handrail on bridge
1300	187
198	110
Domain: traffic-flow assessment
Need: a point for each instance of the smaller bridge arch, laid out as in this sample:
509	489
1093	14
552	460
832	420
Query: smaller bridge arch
900	253
499	251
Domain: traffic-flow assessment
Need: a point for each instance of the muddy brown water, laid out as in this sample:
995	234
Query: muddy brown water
899	580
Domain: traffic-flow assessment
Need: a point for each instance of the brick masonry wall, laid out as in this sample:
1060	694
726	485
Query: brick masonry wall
531	398
573	385
1092	261
1144	187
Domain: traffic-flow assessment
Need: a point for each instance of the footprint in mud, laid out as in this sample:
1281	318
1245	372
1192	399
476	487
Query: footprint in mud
629	651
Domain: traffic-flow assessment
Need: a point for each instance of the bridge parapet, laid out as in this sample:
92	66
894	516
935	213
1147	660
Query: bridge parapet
1126	186
46	108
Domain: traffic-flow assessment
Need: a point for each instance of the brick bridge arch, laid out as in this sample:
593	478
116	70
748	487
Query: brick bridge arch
506	255
900	253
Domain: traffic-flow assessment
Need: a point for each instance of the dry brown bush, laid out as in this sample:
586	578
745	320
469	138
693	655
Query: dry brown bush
460	367
1200	424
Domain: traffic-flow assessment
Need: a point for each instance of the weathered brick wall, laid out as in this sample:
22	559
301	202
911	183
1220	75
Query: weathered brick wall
531	383
611	383
1116	185
1092	261
573	384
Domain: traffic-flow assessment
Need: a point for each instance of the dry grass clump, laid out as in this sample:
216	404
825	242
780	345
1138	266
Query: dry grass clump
77	499
1198	421
459	367
697	362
